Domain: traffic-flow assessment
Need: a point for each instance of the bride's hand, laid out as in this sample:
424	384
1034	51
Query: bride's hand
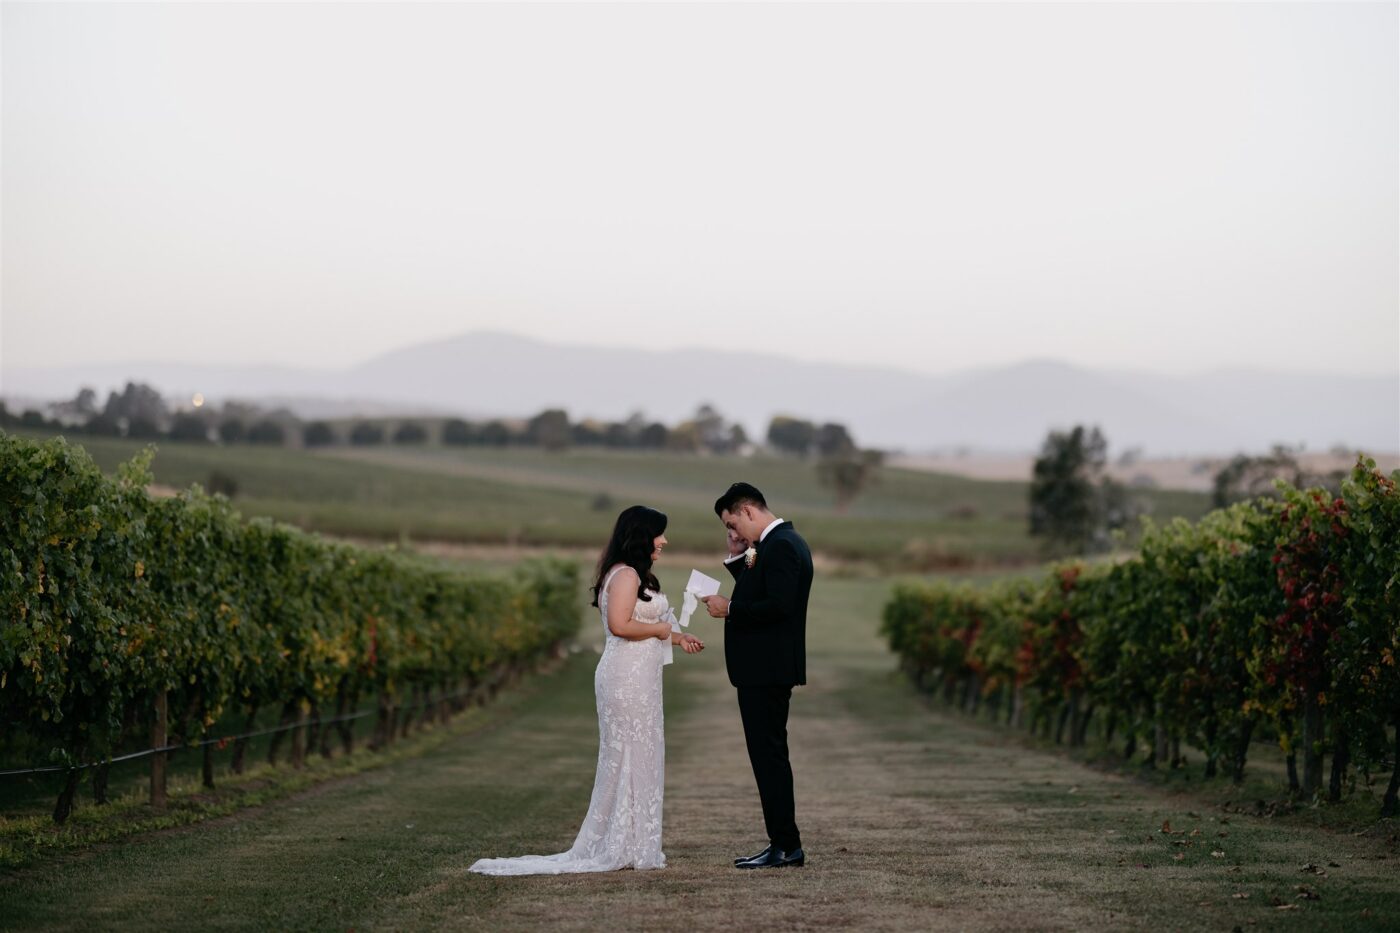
663	630
691	644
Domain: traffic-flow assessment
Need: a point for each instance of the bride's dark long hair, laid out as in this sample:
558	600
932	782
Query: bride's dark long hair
632	542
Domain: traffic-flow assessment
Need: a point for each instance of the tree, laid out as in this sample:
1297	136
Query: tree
458	432
738	437
143	428
1073	503
635	431
32	418
550	430
684	437
86	402
140	407
833	440
711	430
848	473
654	436
317	434
495	434
715	434
79	409
189	427
1246	477
410	432
232	431
617	435
266	432
365	434
791	435
103	426
588	434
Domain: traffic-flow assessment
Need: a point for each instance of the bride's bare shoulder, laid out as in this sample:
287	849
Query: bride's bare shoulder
615	570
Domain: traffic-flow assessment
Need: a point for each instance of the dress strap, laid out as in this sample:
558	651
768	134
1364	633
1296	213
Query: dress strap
603	587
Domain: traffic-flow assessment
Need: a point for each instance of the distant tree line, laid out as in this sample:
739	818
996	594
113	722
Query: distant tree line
139	412
1248	477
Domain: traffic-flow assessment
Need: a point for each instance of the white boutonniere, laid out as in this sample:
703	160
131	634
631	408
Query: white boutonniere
750	556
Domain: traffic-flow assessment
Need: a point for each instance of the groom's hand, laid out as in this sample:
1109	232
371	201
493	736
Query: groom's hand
737	545
718	606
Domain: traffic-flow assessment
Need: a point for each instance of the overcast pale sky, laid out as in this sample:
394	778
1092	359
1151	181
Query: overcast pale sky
1169	187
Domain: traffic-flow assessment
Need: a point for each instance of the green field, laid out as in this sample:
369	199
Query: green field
907	520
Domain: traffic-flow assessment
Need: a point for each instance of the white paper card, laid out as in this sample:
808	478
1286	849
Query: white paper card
702	585
699	585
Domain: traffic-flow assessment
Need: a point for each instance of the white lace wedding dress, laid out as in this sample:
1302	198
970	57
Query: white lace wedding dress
623	825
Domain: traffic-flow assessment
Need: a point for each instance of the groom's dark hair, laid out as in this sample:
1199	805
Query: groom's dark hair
737	495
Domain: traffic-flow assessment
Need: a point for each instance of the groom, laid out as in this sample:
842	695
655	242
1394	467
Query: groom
765	638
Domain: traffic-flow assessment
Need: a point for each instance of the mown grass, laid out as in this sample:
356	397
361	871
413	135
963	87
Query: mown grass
1160	848
913	820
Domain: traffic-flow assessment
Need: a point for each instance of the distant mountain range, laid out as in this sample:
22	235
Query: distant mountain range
1007	408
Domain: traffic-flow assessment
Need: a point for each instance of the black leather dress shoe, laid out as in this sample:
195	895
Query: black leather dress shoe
776	858
750	858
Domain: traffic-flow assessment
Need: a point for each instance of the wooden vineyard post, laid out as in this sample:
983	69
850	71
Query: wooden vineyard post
158	759
299	737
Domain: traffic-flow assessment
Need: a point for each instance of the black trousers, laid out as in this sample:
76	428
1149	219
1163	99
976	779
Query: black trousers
765	712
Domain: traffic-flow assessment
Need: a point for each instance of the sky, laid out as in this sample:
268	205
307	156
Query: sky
1167	187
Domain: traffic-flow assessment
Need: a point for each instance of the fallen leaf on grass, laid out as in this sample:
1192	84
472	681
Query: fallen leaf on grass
1286	907
1218	853
1241	895
1306	893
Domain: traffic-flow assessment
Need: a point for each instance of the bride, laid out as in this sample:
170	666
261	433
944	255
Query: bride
623	825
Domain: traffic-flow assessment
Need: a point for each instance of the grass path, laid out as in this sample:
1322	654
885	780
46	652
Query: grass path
913	821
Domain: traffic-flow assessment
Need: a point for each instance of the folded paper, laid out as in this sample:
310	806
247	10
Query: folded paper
699	585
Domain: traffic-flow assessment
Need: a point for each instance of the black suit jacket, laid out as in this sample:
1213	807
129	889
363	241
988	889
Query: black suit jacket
765	634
